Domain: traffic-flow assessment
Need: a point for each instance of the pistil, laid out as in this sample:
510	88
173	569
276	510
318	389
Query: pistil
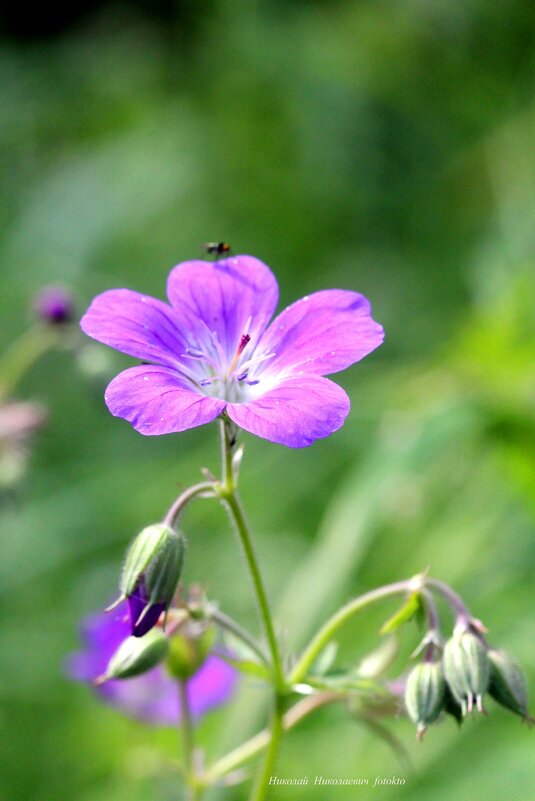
244	341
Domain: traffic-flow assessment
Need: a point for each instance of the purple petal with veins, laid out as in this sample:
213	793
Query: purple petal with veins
214	349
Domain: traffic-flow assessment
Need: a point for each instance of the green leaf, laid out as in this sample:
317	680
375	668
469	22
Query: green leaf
410	608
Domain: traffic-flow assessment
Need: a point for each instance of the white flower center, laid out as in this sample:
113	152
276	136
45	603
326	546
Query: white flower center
212	373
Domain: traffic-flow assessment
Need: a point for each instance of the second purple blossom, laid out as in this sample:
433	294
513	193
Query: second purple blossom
153	696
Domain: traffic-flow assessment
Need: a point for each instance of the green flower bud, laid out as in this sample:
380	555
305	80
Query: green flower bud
451	707
157	553
467	669
188	650
136	655
151	574
508	683
424	695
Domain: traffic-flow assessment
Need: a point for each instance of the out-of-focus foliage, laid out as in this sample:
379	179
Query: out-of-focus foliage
379	146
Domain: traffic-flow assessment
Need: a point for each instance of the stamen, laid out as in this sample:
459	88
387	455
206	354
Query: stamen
257	360
206	381
194	353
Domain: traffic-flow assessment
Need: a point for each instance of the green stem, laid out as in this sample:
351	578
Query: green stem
228	623
229	496
244	752
454	600
20	356
186	728
260	787
172	516
329	629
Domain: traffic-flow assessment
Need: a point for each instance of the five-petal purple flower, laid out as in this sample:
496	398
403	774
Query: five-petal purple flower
153	696
213	350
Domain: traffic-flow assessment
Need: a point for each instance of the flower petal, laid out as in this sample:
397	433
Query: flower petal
321	334
156	400
136	324
151	697
211	685
231	297
294	413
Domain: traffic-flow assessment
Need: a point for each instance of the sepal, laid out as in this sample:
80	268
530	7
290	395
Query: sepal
424	695
136	655
467	669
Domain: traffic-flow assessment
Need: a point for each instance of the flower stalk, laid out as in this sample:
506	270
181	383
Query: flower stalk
186	729
329	629
229	497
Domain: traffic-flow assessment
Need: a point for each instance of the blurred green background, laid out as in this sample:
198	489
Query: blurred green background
386	147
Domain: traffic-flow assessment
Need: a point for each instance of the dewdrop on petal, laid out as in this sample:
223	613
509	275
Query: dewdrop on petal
136	655
424	695
467	669
151	574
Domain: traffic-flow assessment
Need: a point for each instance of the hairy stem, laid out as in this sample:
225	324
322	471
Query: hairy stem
261	784
228	623
454	600
176	509
186	728
229	497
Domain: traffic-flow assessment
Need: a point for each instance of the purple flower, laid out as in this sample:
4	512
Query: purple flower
152	697
54	305
213	350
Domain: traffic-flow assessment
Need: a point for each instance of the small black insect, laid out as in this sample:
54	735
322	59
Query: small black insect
217	248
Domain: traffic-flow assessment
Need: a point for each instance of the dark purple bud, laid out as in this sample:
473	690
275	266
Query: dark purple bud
151	574
143	615
54	306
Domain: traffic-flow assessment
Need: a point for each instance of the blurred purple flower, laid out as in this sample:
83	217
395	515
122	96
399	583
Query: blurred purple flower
212	349
54	305
152	697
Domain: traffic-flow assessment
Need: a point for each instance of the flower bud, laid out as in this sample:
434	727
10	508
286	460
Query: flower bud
507	683
136	655
467	669
151	574
54	306
188	650
424	695
451	707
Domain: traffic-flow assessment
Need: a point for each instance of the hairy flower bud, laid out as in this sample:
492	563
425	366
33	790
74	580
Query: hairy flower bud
424	695
151	574
507	683
136	655
467	669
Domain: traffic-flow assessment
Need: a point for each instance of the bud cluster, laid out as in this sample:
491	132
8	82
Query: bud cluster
182	648
454	679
